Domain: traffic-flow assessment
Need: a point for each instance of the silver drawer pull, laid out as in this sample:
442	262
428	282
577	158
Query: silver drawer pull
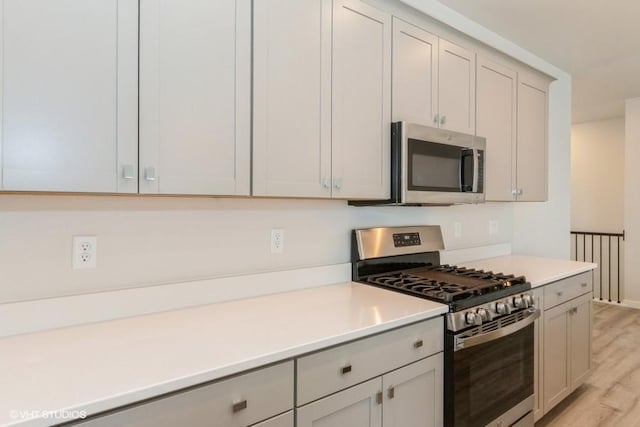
418	344
584	285
237	407
379	398
345	369
391	392
559	293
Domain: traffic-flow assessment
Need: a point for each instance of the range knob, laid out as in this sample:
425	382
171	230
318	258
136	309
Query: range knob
528	299
502	308
473	318
518	302
484	314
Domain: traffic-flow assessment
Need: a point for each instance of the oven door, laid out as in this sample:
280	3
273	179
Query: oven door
489	375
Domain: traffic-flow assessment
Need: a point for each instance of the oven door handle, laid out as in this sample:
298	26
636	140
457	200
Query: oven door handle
530	316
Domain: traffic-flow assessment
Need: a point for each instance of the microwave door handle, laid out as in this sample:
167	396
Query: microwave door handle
476	169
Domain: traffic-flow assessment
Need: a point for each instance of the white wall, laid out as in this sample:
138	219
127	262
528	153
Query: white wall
597	176
153	240
632	203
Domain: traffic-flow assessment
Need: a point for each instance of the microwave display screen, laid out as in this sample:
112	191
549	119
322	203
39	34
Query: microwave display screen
434	167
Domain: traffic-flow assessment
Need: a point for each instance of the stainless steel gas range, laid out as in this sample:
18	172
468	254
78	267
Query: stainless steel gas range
489	354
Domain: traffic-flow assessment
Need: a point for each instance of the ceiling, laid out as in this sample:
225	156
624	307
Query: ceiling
597	42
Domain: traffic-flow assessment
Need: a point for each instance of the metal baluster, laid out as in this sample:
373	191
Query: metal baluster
619	270
609	267
600	267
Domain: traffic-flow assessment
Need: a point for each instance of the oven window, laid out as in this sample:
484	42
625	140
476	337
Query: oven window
433	166
491	378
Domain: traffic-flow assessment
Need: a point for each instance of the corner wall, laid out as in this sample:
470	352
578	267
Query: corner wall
632	203
597	176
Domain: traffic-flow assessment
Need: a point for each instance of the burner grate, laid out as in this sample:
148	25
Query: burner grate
445	283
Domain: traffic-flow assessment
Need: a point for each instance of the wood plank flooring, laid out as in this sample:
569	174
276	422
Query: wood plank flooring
611	395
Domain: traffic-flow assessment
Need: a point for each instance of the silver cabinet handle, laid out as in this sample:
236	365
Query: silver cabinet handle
379	398
559	293
150	174
391	392
239	406
520	192
436	119
337	183
584	285
418	344
345	369
514	192
443	120
127	172
325	183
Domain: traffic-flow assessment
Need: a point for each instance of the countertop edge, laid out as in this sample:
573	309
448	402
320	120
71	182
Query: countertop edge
555	278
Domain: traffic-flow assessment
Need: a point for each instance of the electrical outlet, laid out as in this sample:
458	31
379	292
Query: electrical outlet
457	230
277	241
85	252
493	227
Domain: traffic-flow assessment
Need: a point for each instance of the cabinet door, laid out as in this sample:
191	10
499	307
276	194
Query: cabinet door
532	138
358	406
361	99
284	420
580	340
69	95
195	79
456	88
415	74
292	98
557	382
413	394
496	121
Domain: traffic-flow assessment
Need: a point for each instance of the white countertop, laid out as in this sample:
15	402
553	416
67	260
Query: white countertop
105	365
538	270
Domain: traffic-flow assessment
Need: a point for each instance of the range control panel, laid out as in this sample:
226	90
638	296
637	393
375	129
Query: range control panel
401	240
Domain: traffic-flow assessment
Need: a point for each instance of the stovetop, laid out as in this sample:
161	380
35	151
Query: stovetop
457	286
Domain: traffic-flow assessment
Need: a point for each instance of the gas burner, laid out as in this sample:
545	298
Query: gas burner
445	283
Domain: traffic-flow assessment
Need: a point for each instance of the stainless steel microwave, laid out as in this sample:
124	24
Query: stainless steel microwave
432	166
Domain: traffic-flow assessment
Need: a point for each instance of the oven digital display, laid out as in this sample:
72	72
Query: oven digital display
401	240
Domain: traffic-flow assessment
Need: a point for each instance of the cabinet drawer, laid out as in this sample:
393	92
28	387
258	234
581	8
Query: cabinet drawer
328	371
236	402
567	289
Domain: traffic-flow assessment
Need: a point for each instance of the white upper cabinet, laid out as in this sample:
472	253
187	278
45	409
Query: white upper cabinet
292	98
195	81
532	137
361	101
415	74
496	121
433	80
457	88
69	95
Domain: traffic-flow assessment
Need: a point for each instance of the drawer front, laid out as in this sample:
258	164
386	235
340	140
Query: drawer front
237	402
284	420
328	371
567	289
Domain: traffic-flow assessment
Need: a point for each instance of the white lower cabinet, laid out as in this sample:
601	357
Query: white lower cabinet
236	402
358	406
565	341
390	379
413	394
407	397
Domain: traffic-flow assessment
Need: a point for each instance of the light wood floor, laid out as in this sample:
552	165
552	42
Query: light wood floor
611	395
